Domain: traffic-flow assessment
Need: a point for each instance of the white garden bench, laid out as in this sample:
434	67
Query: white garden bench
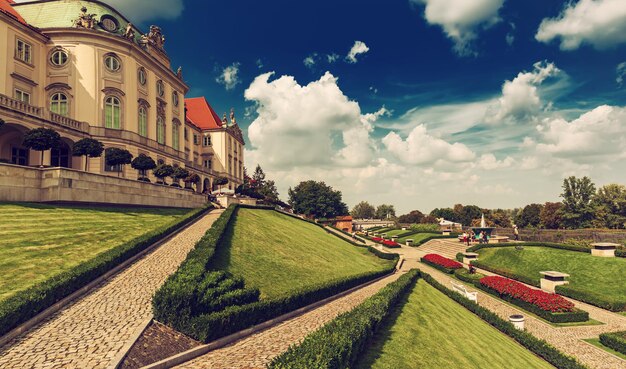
463	291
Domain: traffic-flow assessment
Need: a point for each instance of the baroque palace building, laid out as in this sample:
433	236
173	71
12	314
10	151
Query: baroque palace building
82	69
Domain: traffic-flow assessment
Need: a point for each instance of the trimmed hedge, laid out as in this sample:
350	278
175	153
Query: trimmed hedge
438	267
26	304
599	301
209	327
531	244
620	253
464	275
416	244
459	257
207	305
540	347
178	298
616	341
338	344
576	316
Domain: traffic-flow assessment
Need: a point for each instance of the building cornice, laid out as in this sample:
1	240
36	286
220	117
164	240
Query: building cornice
32	31
145	59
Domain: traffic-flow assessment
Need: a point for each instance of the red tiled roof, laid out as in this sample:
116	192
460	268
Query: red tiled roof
5	7
201	114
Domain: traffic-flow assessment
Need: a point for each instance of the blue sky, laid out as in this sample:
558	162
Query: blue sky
489	102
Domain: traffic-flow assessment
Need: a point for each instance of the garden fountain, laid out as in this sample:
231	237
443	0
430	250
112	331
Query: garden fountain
483	227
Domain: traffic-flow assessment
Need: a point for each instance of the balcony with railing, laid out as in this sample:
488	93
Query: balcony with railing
44	114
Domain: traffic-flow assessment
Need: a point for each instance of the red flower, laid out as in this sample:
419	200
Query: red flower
391	243
545	301
444	262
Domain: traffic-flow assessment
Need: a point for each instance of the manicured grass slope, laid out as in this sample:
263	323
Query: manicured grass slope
431	331
279	254
39	241
418	237
594	275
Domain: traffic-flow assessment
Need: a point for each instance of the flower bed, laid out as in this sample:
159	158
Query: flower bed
549	306
391	244
439	262
377	239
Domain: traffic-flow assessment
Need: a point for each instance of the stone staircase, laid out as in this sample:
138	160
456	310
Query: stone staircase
445	248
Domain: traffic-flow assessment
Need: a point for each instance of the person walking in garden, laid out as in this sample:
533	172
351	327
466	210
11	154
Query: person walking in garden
516	233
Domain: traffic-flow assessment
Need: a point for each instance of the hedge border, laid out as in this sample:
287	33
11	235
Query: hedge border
26	304
538	346
234	318
438	237
463	275
438	267
571	317
344	338
615	340
531	244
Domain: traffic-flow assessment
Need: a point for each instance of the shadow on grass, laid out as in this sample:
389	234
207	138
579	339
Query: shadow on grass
374	348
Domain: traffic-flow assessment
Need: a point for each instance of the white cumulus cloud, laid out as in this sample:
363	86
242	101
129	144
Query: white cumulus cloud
600	23
229	76
420	148
621	73
461	20
312	125
520	98
599	133
357	49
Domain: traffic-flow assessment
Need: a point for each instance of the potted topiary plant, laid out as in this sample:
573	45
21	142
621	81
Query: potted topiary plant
41	139
162	171
117	157
143	163
89	148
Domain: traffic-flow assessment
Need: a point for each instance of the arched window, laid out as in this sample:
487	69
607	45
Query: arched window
143	121
58	103
175	135
161	130
112	112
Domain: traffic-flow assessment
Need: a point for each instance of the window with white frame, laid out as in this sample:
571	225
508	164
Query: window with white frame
112	63
207	140
208	164
161	130
24	51
143	121
59	57
112	112
175	135
22	96
59	103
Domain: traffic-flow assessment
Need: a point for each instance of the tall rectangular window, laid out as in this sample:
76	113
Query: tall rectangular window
112	112
143	122
24	51
208	164
22	96
207	140
161	130
175	136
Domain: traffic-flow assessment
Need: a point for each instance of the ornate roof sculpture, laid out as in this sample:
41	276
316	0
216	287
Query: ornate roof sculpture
153	38
233	128
85	20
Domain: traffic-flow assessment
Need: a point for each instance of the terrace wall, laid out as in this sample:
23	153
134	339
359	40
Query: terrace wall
26	184
560	235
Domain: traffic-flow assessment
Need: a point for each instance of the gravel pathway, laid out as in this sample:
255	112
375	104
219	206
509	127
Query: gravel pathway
90	332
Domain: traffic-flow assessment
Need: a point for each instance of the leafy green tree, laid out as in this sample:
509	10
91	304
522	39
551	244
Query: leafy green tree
385	211
177	174
41	139
192	179
269	192
114	156
500	218
143	163
529	216
258	178
414	217
578	193
551	215
445	213
89	148
316	199
610	206
363	210
163	171
220	181
467	214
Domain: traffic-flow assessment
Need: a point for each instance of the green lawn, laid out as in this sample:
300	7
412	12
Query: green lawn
39	241
603	277
418	237
431	331
279	254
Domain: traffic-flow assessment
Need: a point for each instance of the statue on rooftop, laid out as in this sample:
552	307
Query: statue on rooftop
233	121
224	120
130	32
179	73
84	20
155	37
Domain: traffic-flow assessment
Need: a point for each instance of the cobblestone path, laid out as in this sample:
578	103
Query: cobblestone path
90	332
259	349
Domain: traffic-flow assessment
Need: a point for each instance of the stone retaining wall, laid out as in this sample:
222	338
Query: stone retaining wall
26	184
